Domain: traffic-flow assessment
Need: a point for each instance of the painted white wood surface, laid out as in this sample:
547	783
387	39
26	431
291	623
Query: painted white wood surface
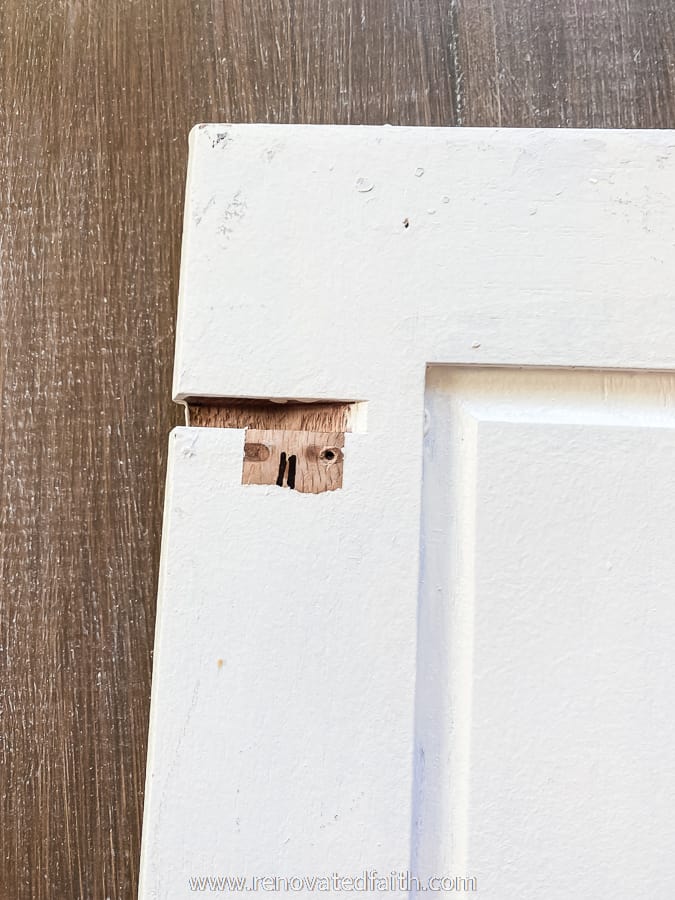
301	722
546	679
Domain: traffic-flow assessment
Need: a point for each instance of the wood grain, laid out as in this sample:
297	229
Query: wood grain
309	462
96	100
578	63
320	417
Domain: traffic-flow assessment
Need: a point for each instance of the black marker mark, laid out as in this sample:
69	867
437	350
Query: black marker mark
290	481
282	470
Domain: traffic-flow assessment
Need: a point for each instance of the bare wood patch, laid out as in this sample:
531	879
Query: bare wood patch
291	416
310	462
293	445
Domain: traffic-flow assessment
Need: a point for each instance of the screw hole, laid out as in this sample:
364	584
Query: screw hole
329	454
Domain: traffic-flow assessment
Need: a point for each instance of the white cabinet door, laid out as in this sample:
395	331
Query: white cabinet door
460	664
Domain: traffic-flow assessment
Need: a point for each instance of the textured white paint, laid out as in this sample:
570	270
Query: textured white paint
555	248
546	678
538	742
300	741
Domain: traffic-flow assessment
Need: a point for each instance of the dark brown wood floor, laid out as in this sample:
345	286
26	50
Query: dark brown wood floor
96	100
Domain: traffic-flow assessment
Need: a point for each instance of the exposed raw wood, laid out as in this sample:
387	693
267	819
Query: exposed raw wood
309	462
317	417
